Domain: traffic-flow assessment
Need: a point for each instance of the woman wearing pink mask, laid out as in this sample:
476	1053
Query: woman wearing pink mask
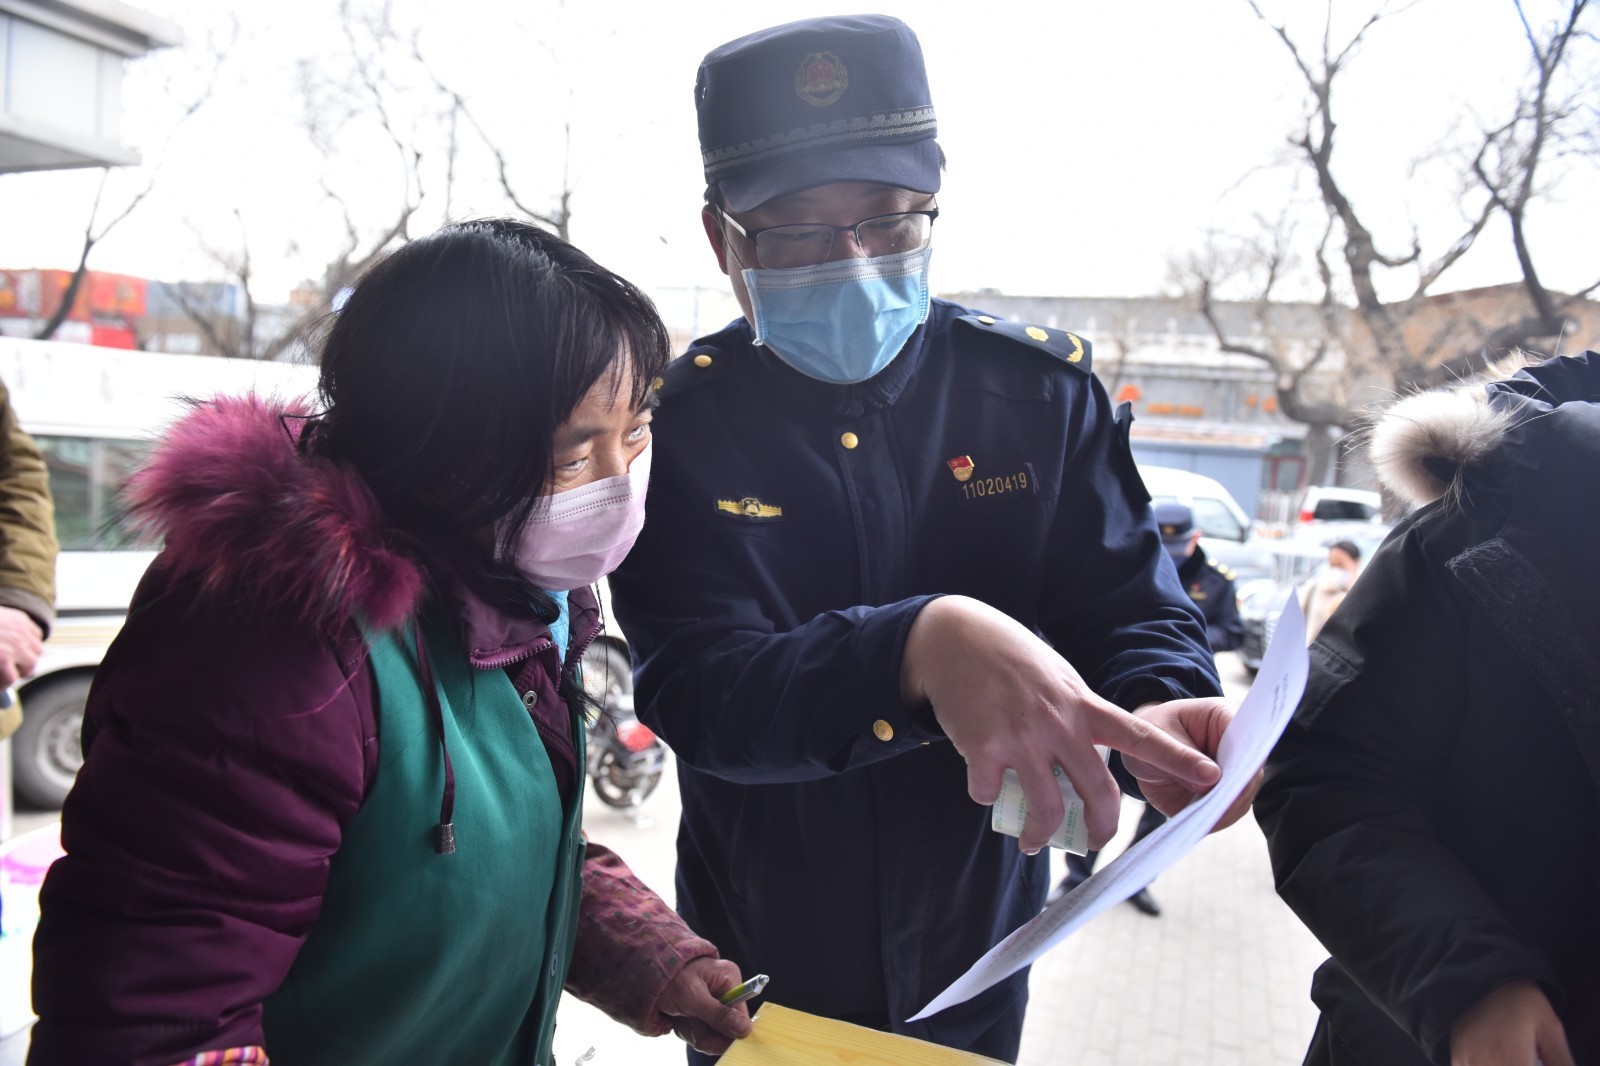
330	805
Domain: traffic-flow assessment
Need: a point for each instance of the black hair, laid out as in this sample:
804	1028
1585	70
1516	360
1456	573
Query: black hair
1348	547
449	369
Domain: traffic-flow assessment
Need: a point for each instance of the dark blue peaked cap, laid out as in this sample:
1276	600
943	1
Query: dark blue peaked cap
813	102
1174	520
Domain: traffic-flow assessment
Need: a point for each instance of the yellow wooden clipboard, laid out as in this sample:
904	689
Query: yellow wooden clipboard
785	1037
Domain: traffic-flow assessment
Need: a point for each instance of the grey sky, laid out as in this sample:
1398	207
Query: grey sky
1088	140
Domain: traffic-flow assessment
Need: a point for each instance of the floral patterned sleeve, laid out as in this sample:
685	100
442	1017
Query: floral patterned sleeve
630	945
233	1056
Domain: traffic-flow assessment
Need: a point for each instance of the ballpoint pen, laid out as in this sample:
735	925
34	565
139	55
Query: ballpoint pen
740	993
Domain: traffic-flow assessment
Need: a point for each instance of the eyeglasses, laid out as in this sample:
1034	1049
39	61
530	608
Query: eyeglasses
810	243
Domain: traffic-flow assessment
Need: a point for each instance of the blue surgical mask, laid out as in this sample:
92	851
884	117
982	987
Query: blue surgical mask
840	322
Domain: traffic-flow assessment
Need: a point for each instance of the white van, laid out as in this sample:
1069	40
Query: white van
1332	512
1227	535
93	412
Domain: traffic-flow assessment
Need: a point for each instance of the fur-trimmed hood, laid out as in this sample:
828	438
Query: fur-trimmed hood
1423	444
237	503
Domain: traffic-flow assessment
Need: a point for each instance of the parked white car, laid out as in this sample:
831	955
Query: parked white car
1227	535
1332	512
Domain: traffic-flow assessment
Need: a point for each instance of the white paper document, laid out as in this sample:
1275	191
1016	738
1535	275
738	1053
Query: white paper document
1256	726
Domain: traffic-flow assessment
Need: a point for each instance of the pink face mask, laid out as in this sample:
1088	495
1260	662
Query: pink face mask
579	536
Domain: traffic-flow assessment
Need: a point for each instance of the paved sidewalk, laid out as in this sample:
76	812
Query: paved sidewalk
1220	979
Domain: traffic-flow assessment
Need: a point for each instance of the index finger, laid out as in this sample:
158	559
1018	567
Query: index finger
1158	748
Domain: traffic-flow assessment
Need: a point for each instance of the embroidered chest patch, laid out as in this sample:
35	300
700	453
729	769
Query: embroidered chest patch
750	509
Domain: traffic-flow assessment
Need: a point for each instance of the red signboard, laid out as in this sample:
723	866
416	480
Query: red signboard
111	298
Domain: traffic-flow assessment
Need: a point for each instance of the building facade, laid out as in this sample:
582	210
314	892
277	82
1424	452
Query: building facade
61	65
1195	406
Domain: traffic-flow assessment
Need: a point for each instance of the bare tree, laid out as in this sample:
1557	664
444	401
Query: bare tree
1507	165
94	232
385	91
92	235
1118	339
1368	344
560	217
370	92
1313	375
225	312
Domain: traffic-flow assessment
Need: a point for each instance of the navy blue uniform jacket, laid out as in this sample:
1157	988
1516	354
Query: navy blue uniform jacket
794	531
1210	586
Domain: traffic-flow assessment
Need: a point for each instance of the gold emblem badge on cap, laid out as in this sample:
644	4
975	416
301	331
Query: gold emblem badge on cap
814	102
822	79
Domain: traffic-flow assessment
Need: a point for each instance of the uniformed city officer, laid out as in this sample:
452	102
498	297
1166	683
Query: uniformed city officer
893	548
1210	586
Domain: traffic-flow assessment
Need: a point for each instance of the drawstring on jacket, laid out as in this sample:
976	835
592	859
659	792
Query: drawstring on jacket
444	834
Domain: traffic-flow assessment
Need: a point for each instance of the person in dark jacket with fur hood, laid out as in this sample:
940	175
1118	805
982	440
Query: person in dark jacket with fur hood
1433	811
330	806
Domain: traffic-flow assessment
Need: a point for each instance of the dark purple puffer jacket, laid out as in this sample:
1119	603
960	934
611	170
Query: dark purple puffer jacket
233	736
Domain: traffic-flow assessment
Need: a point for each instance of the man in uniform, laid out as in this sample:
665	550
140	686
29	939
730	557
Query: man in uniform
1210	586
885	536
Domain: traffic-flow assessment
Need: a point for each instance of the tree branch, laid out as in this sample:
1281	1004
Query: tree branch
91	238
561	219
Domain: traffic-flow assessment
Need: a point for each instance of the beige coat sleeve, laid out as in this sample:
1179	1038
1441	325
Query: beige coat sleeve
27	523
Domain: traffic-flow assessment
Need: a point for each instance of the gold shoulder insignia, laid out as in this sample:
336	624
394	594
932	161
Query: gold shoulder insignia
1067	347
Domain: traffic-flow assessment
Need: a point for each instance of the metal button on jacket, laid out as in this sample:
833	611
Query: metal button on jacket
883	730
849	440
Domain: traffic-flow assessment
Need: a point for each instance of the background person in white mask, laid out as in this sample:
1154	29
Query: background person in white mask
330	807
1321	593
